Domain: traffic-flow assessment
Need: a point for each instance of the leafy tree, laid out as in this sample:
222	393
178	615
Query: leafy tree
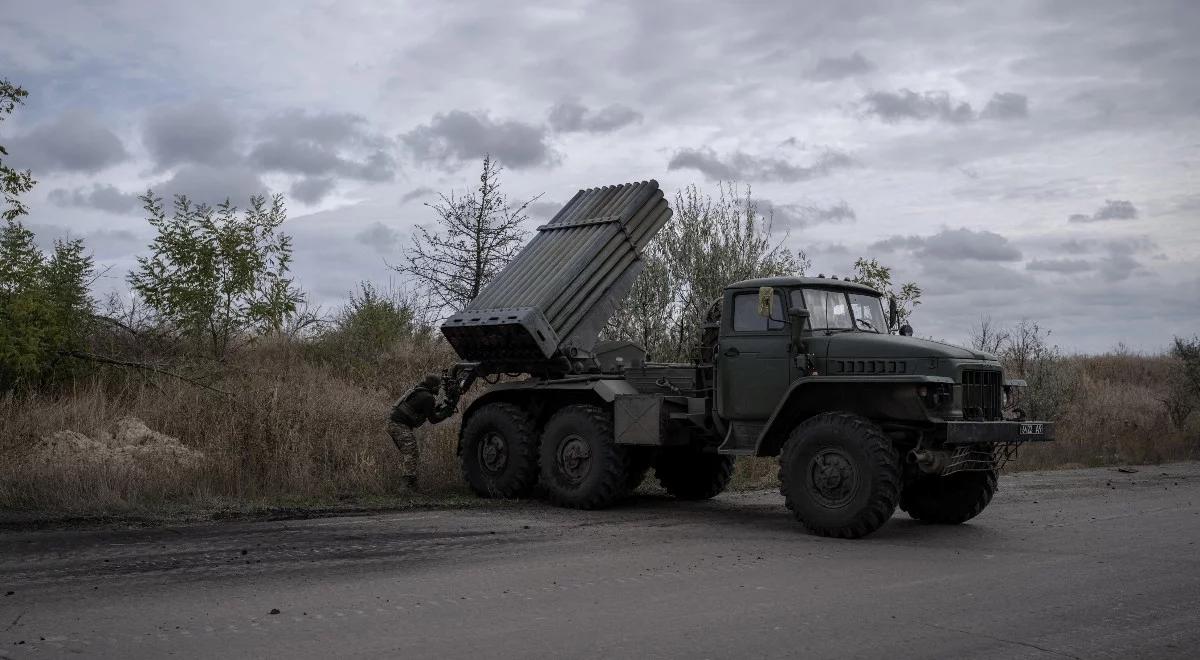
45	307
478	234
879	277
215	276
708	244
13	182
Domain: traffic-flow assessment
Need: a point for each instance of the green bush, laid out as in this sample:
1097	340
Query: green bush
45	308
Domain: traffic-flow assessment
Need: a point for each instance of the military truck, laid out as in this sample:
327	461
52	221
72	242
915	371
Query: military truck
862	416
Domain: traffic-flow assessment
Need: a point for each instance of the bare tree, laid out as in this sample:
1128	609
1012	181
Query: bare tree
987	336
477	234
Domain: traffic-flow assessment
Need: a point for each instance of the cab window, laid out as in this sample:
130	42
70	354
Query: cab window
868	313
746	318
826	309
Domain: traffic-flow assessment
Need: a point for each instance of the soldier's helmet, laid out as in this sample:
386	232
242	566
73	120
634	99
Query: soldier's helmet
432	381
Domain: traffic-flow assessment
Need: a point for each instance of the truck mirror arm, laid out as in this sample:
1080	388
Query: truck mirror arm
797	320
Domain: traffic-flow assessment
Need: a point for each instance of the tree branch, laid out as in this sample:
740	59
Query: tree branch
91	357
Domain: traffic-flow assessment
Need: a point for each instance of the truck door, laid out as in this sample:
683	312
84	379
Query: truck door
752	361
828	314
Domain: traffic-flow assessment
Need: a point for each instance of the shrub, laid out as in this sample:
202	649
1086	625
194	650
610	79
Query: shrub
45	308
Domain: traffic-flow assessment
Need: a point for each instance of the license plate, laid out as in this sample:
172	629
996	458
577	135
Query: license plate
1032	429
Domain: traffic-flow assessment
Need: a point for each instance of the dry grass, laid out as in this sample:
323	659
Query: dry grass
307	425
296	427
1117	415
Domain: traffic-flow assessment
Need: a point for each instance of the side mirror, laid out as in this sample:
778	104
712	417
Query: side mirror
798	319
765	295
906	330
893	312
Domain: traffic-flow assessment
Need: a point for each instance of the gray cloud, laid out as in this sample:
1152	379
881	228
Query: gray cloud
937	105
954	245
1060	265
321	127
1006	105
321	146
72	142
212	185
101	244
457	136
113	243
199	132
836	68
543	210
798	216
311	190
740	166
1078	246
1113	209
105	197
1118	266
570	116
417	193
1121	263
378	236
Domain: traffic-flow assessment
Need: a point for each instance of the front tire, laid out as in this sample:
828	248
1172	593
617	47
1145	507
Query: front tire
582	468
949	500
693	475
498	451
839	475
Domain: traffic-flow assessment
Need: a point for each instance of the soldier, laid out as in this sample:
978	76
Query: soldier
417	406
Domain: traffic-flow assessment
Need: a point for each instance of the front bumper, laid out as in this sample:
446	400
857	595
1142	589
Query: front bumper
1002	432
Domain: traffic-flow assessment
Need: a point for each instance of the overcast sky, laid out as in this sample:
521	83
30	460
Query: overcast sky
1021	159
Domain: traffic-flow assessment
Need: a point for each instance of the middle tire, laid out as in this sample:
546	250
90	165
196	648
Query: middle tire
581	466
693	475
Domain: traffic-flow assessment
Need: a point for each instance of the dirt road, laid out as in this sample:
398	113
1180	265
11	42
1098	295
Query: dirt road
1089	563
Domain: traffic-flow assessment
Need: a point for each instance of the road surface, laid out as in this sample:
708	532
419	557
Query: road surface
1087	564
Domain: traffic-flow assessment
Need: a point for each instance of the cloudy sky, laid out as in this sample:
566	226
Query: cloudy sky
1022	159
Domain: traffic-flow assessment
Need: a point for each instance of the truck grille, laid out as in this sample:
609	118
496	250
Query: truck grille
981	394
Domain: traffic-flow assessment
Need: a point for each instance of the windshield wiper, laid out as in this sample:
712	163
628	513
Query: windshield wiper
867	323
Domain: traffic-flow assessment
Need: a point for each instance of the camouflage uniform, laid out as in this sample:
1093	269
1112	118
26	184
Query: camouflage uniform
415	408
405	439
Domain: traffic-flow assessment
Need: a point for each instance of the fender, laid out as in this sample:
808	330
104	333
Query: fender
582	388
873	396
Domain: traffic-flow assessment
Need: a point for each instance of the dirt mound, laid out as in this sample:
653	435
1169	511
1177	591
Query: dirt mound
131	444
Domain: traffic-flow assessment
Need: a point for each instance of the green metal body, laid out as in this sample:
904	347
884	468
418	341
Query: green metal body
759	385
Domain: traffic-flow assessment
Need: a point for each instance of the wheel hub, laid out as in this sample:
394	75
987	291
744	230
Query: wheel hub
493	453
832	478
574	458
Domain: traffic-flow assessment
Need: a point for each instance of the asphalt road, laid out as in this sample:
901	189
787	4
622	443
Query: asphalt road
1088	564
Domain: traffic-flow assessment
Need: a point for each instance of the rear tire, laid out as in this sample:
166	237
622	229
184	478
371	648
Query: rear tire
839	475
949	500
498	451
693	475
582	468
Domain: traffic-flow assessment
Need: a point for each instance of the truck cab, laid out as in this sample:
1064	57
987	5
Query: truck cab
793	346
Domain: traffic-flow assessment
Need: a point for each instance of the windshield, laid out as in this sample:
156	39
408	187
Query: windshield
831	310
868	313
827	310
